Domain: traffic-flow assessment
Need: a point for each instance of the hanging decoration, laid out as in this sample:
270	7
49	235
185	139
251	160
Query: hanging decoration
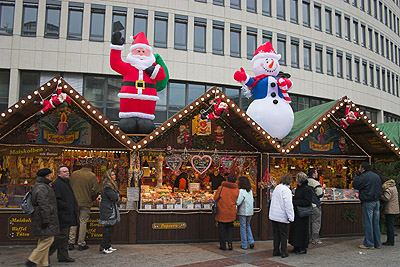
184	134
342	144
219	134
227	163
174	163
201	163
240	160
216	158
201	127
185	156
349	118
220	109
56	99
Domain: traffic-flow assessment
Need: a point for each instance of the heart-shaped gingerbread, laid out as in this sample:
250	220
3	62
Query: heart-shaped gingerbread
201	163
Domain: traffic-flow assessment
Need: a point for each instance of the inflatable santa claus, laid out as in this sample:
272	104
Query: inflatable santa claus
271	106
138	95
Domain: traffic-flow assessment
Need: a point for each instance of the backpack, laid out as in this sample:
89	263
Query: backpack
26	205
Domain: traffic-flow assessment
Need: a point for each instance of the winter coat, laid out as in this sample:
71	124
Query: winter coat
318	191
370	186
85	185
244	203
390	197
66	203
299	228
281	206
45	203
227	202
109	213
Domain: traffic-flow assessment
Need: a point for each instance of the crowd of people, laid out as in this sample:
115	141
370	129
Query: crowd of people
63	205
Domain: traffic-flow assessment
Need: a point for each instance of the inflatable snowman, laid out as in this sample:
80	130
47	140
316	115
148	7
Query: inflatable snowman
270	108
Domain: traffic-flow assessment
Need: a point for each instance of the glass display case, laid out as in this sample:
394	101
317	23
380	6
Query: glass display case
11	195
335	194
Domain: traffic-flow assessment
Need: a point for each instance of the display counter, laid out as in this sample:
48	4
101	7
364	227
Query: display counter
335	194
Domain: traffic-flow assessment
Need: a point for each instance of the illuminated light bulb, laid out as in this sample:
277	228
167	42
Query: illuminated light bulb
248	118
123	137
253	123
310	130
157	133
233	105
16	106
369	121
228	100
333	112
396	148
392	144
287	150
36	92
100	117
373	125
377	129
65	86
151	137
94	111
54	80
319	123
384	137
202	99
174	120
329	115
223	96
258	128
145	142
106	121
292	146
243	114
361	113
71	91
268	137
29	96
180	115
297	142
283	150
263	132
208	95
48	84
139	146
278	146
162	128
341	104
186	111
324	119
388	141
337	108
273	141
111	127
3	114
88	106
83	101
306	134
353	105
9	110
117	132
301	138
191	107
315	126
42	88
381	133
134	147
76	96
213	91
238	109
129	141
168	124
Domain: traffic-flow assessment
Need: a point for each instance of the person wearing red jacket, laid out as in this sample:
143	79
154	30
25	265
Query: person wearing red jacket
138	93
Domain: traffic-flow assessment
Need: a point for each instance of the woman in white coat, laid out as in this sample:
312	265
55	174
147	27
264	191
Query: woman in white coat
245	212
281	213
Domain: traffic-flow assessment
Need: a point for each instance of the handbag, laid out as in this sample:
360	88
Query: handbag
214	208
305	211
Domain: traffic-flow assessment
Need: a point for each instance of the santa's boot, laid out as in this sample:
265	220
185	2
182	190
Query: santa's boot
128	125
203	116
37	102
145	126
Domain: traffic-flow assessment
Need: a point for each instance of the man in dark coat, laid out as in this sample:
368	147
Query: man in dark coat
67	213
44	220
370	187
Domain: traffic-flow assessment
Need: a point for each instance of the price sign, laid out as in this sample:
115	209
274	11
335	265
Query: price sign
178	206
147	207
170	206
160	206
197	206
190	206
207	206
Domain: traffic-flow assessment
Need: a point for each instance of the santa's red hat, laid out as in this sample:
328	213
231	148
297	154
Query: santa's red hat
264	51
140	41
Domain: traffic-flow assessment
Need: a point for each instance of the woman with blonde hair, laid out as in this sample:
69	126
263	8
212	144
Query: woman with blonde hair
109	213
299	228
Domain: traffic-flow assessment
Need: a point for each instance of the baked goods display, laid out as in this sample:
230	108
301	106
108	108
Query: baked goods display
335	194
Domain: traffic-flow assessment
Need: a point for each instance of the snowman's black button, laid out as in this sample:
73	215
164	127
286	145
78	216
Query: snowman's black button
272	84
275	101
273	94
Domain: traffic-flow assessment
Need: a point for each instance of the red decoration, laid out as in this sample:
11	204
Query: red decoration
349	118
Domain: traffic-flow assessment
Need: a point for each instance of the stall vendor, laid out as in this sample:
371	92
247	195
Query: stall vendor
215	178
181	182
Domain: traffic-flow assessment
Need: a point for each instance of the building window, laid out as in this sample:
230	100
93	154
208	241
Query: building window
371	75
364	73
218	38
362	5
338	24
180	41
318	58
355	26
390	19
97	23
339	64
52	25
328	21
391	51
75	16
348	67
356	69
140	21
307	55
376	42
363	36
382	46
347	28
252	6
387	49
235	4
280	9
383	80
29	81
29	18
294	50
266	8
329	61
195	91
386	15
303	102
200	25
218	2
251	42
393	85
266	36
380	12
368	7
317	17
119	20
397	85
235	40
160	29
282	48
306	13
4	88
354	3
388	81
378	78
375	9
370	39
395	54
294	11
176	96
6	18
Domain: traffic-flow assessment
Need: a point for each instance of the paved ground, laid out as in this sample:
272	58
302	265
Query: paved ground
334	252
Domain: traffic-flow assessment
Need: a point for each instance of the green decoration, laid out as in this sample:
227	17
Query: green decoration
349	214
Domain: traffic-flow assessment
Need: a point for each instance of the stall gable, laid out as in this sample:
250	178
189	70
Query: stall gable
362	133
73	124
236	131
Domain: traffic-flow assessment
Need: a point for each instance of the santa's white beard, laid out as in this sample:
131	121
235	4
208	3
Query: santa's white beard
140	62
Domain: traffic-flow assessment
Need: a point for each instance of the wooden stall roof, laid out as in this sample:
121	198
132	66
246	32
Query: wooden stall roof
25	109
365	134
238	120
391	130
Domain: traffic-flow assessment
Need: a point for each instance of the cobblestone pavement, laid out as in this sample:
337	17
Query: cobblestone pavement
333	252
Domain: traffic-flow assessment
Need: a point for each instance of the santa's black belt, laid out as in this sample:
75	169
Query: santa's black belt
139	84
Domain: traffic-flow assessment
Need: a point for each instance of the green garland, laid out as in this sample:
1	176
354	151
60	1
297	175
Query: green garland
349	214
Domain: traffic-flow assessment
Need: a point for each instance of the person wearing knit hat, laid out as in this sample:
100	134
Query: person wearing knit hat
138	95
44	220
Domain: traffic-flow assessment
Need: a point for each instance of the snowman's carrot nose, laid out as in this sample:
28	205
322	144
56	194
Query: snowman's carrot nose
271	64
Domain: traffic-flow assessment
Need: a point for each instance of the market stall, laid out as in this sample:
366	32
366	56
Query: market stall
72	133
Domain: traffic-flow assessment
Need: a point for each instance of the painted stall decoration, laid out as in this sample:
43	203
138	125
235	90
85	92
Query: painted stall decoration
63	128
323	140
